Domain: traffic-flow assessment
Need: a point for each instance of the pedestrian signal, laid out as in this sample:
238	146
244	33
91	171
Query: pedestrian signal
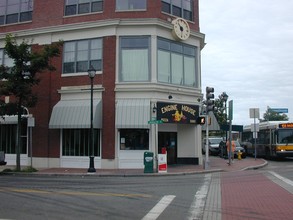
201	120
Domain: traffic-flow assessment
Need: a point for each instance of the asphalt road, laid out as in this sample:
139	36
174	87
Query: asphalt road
148	198
35	198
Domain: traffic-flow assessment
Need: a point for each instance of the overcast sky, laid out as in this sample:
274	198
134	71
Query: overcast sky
249	53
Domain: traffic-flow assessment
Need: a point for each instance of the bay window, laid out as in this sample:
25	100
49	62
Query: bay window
134	59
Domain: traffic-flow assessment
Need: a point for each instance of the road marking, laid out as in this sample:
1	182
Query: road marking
76	193
290	182
197	207
157	210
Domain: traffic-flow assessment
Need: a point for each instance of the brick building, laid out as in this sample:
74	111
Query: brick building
147	59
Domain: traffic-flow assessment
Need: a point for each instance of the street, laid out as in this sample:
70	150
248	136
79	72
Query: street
97	198
254	194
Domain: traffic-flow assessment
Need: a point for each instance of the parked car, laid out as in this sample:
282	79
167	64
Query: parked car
213	145
238	147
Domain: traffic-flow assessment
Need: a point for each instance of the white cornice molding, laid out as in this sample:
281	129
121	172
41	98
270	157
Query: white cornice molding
98	24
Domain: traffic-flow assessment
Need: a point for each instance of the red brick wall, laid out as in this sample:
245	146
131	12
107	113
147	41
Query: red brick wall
108	81
51	13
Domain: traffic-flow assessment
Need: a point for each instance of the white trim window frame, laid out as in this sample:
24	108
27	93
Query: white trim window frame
176	63
15	11
78	7
79	56
131	5
134	59
179	8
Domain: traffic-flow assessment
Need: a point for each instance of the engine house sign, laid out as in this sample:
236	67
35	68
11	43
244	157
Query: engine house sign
177	113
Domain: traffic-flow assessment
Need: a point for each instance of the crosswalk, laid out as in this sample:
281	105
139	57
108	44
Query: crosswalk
197	206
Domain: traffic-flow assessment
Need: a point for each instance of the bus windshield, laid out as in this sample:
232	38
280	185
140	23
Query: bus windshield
285	136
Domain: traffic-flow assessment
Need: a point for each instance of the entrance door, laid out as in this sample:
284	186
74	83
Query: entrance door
168	140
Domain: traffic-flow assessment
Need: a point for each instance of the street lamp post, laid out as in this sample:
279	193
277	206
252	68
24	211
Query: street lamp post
91	169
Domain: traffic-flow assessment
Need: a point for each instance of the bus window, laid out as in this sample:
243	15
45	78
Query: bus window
285	136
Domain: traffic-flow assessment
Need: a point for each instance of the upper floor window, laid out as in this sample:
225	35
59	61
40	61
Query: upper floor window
14	11
179	8
78	56
177	63
73	7
134	59
126	5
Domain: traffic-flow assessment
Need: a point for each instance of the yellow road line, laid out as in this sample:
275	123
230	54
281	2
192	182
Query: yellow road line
75	193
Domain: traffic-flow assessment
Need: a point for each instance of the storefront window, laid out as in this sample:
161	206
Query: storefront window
134	139
8	138
75	142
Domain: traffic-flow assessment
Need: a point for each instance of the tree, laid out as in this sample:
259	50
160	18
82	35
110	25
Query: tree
220	109
17	81
270	115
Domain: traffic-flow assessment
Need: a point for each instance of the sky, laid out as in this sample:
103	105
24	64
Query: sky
248	54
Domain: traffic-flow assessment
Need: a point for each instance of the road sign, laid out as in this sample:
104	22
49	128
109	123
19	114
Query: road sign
279	110
155	122
254	112
230	116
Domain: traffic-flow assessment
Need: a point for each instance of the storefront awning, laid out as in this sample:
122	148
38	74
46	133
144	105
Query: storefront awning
75	114
133	113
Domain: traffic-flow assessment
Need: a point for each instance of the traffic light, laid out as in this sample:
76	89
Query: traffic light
201	120
210	96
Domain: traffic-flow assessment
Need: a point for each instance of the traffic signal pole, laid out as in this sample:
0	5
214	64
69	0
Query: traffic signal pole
207	162
209	107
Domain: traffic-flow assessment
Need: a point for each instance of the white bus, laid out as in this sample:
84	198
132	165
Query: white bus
274	139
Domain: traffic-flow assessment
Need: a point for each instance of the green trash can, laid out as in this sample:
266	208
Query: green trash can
148	160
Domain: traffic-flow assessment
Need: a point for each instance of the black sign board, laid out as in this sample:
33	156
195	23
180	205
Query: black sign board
177	113
225	127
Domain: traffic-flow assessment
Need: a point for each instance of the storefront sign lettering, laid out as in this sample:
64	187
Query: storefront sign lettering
177	113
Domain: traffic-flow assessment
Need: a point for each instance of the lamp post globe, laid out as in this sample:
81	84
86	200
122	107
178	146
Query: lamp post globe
91	169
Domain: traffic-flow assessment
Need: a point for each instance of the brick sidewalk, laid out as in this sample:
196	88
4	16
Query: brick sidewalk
251	195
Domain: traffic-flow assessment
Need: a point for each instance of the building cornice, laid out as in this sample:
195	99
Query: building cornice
100	24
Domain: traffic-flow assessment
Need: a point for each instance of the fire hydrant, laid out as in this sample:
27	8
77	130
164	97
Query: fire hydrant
239	155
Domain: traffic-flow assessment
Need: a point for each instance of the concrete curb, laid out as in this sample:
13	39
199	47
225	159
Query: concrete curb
256	167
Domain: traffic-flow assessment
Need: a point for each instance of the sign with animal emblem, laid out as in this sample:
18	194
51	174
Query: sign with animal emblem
177	113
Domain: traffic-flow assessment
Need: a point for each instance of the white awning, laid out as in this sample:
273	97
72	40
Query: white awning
76	114
133	113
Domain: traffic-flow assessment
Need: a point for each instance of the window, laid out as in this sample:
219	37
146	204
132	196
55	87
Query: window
78	56
8	138
134	59
125	5
14	11
134	139
176	63
179	8
73	7
75	142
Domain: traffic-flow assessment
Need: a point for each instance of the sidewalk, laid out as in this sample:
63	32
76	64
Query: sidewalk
217	164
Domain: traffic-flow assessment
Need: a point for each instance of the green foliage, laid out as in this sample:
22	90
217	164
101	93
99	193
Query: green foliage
220	109
18	80
270	115
24	170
